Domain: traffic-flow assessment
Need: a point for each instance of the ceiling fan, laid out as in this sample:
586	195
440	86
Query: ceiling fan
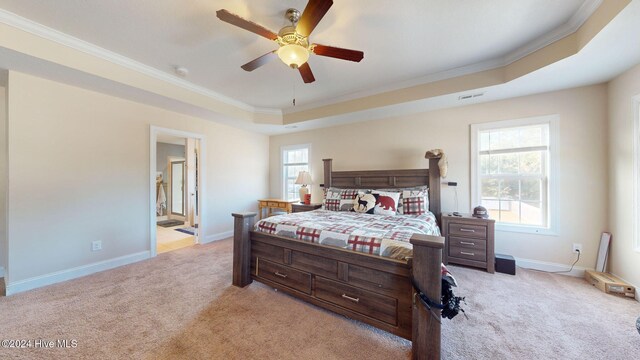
293	40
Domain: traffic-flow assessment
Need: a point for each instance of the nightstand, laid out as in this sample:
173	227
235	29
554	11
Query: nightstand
299	207
271	204
469	241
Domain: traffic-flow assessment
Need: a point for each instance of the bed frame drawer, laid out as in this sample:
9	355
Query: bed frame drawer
316	265
266	251
374	305
464	253
476	231
284	275
473	244
375	280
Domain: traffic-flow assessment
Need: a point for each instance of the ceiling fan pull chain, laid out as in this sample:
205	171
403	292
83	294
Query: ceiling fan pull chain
294	93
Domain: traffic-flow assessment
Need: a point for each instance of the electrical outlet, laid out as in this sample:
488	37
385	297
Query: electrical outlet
577	247
96	245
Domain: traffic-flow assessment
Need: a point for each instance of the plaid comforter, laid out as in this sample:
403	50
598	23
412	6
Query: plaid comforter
372	234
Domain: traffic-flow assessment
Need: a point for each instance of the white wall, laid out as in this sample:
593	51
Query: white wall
3	179
400	143
624	259
79	171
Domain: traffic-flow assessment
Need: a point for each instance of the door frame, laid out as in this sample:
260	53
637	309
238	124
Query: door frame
153	139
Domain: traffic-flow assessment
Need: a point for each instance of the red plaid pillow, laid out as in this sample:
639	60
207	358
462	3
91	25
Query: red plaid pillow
415	202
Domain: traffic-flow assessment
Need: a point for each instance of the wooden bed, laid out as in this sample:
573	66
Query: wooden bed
373	289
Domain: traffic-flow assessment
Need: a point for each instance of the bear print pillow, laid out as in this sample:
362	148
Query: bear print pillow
386	202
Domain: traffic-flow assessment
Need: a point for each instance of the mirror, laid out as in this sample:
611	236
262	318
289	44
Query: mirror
177	188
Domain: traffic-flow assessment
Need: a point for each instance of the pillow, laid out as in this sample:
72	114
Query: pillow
387	202
364	203
401	203
339	199
415	202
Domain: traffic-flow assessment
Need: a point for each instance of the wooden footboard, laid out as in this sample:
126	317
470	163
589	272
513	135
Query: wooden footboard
364	287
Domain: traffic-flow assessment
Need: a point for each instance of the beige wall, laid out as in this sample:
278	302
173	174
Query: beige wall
402	141
624	259
3	177
79	171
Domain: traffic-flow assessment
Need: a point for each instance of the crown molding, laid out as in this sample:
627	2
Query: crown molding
568	28
571	26
59	37
442	75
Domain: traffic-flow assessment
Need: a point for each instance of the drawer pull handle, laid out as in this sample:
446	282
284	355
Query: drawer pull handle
467	243
467	230
284	276
355	300
466	253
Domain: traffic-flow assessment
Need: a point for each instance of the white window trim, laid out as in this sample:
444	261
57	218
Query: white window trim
636	172
283	185
553	176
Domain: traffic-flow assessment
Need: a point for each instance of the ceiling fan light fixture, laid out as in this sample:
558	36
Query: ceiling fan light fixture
293	55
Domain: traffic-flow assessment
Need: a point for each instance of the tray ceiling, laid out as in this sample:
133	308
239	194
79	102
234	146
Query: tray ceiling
403	45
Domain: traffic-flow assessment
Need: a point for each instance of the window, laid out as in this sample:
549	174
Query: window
512	172
295	158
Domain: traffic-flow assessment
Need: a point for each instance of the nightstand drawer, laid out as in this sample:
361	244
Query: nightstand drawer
365	302
476	231
464	253
284	275
275	204
467	243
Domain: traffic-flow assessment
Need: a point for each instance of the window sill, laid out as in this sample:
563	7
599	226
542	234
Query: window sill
526	230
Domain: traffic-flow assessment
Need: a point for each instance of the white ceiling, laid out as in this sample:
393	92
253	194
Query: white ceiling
423	42
402	41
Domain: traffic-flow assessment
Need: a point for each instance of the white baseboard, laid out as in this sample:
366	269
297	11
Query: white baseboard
552	267
68	274
1	272
219	236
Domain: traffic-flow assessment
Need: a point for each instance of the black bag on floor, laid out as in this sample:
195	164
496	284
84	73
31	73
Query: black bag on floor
450	302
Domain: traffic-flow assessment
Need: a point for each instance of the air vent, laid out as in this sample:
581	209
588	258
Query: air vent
469	96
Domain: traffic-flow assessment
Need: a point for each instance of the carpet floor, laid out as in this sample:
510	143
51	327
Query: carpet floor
181	305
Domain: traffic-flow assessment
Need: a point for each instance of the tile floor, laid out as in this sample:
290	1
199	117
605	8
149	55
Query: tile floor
168	239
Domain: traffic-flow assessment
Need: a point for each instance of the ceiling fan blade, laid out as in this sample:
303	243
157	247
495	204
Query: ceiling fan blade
339	53
236	20
311	16
262	60
307	75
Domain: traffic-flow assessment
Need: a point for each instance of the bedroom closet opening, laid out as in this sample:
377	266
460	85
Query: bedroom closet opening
177	192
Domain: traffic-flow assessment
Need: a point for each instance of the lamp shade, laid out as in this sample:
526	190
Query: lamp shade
293	55
304	178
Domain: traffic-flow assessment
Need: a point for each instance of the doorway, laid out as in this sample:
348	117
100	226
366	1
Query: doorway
176	165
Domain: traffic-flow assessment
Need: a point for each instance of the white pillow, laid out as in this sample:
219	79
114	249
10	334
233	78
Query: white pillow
386	202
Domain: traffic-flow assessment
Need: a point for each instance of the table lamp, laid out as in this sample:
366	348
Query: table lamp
304	179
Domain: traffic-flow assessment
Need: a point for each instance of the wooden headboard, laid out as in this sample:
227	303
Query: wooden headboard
383	179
